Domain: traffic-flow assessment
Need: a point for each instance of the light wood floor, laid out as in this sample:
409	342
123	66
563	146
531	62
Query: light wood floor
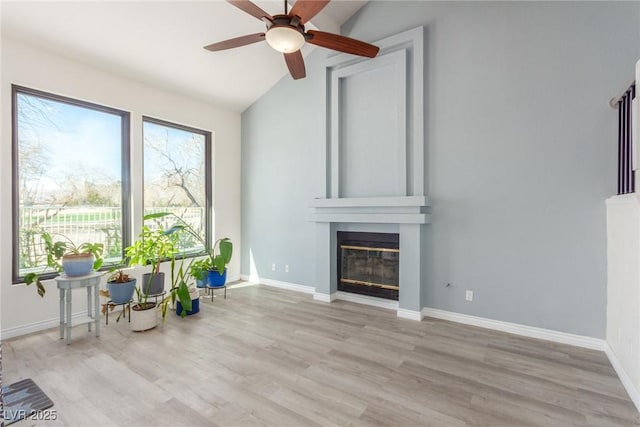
267	356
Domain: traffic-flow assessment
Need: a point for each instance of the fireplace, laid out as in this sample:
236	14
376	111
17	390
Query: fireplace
369	264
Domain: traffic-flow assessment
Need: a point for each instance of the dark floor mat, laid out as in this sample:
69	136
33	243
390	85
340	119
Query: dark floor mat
23	398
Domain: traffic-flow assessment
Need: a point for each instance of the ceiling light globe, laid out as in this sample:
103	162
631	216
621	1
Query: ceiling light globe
284	39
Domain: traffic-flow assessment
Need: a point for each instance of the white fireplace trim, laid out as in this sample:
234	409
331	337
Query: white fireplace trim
367	300
410	314
319	296
381	210
358	202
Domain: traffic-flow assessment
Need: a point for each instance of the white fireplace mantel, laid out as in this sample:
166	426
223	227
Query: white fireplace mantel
366	210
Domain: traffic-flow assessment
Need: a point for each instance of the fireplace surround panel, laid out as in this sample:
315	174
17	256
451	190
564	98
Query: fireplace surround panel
355	196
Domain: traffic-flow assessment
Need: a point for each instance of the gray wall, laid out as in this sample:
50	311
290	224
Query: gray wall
520	147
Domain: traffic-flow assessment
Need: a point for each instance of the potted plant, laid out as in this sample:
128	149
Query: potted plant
218	256
143	314
217	276
121	287
187	299
63	255
194	296
199	270
151	248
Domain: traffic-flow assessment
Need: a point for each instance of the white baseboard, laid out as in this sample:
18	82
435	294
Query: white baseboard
289	286
410	314
633	392
234	278
513	328
517	329
248	278
37	326
324	297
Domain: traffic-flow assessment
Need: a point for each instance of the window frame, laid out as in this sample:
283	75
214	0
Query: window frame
125	135
208	177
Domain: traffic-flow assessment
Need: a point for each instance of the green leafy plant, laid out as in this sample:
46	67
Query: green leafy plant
199	268
56	246
155	246
222	258
219	254
179	289
151	248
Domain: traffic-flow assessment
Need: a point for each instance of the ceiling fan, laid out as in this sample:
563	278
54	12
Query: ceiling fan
285	33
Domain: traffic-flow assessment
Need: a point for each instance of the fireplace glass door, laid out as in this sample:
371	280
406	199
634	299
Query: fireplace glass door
369	268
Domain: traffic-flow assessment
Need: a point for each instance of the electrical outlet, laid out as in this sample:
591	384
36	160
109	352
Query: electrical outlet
273	267
286	268
469	295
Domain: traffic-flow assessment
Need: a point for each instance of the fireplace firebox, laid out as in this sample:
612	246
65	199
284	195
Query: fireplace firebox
368	263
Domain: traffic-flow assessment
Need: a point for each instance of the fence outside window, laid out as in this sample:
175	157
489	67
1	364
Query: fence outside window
92	224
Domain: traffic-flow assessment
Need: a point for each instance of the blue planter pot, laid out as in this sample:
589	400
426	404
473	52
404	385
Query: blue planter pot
201	283
216	279
195	307
121	293
77	265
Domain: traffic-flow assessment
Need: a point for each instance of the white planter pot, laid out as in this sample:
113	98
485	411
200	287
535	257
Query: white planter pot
143	320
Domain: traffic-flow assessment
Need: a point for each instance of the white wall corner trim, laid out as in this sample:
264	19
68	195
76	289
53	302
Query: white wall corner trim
41	326
514	328
410	314
324	297
633	392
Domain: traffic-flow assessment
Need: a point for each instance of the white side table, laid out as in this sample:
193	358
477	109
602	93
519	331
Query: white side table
67	284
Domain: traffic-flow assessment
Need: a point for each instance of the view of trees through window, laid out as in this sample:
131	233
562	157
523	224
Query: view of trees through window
71	177
69	174
176	176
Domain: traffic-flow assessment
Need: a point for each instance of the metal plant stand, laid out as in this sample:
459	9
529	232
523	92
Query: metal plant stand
209	289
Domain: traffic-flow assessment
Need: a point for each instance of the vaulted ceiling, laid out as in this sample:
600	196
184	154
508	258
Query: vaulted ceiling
161	43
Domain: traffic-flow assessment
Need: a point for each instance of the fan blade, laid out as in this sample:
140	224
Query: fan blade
251	9
237	42
342	43
295	63
307	9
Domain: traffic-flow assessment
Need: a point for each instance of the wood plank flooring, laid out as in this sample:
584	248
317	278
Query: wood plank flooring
267	356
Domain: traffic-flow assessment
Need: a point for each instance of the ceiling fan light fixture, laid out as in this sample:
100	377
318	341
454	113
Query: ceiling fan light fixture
284	39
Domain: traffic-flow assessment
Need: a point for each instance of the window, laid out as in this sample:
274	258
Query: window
177	177
70	175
